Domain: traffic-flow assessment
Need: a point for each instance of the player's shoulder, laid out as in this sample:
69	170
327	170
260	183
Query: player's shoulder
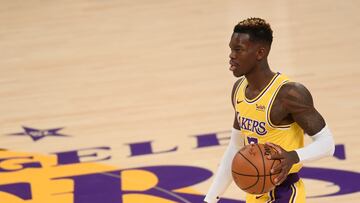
237	83
235	87
295	91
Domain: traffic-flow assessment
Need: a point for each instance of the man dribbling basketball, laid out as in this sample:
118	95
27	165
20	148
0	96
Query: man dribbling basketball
270	109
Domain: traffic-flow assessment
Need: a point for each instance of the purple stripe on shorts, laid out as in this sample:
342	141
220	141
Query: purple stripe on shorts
283	192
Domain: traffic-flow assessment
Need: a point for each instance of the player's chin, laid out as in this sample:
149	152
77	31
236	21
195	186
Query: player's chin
236	70
237	73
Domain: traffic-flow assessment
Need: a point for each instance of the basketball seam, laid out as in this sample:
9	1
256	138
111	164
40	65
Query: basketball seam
249	162
241	174
271	173
262	190
257	180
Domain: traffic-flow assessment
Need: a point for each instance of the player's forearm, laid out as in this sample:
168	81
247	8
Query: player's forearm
323	145
223	176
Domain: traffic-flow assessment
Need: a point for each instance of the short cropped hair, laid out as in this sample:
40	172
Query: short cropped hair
258	29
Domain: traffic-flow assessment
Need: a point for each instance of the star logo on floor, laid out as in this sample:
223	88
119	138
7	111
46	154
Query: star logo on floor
37	134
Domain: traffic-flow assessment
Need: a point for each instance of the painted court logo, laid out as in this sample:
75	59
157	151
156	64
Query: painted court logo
62	177
37	134
78	176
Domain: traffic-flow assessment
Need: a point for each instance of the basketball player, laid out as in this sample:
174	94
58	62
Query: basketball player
269	109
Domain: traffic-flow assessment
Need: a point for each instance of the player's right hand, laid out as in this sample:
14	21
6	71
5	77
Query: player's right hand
287	160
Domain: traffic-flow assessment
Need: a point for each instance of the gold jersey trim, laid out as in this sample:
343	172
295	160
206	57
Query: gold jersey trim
268	117
234	99
262	91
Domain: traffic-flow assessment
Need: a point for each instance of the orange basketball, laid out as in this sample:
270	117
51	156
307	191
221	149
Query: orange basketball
251	169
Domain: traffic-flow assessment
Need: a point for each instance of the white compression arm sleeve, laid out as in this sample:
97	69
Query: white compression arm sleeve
223	176
323	145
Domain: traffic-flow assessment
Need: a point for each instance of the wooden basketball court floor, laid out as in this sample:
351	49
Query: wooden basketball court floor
139	92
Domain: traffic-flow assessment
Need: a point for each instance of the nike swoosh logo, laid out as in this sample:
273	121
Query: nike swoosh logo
257	197
238	102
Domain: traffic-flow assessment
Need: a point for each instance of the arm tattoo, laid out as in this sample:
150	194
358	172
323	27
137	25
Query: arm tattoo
298	101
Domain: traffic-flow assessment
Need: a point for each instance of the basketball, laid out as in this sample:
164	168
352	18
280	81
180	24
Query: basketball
251	169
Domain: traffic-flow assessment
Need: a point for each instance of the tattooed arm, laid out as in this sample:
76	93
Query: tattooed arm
297	101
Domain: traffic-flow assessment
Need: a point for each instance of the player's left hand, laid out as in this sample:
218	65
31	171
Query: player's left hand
287	160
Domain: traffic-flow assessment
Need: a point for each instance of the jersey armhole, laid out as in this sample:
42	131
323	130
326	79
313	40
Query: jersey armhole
235	90
268	118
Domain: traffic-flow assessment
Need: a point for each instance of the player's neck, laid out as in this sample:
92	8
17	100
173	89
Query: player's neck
259	77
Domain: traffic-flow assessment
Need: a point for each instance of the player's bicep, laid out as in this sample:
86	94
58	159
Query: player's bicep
310	121
299	103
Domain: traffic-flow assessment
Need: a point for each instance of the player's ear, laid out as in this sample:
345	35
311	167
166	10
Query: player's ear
261	53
